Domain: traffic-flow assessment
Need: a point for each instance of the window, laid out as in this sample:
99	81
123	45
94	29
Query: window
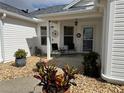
68	35
88	39
43	35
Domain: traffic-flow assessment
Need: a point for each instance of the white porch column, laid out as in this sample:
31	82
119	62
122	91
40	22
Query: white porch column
1	59
1	43
48	41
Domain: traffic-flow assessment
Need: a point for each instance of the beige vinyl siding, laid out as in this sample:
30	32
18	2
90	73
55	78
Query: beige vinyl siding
117	67
18	34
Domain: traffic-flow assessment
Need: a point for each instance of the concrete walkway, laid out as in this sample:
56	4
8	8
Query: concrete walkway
71	60
20	85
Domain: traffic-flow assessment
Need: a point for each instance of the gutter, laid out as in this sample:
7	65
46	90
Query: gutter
1	37
91	9
68	12
34	20
95	6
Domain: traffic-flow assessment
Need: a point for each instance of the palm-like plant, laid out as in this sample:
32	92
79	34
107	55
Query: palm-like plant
53	83
47	77
69	76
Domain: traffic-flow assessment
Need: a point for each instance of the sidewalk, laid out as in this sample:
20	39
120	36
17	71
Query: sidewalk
20	85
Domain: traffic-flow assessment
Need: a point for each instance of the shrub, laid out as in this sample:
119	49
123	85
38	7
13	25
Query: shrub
90	64
20	53
53	83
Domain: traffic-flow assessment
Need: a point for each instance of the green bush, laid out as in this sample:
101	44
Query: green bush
90	64
20	53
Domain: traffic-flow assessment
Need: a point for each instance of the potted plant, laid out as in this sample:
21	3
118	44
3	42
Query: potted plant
20	57
90	64
53	82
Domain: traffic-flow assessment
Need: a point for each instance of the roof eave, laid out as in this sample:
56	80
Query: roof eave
67	12
20	16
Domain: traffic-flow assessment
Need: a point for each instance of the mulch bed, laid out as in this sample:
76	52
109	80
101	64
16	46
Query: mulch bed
92	85
84	84
10	71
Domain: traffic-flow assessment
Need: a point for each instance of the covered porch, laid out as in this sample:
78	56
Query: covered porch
71	33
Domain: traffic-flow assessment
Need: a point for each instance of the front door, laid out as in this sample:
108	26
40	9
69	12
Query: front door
87	39
68	37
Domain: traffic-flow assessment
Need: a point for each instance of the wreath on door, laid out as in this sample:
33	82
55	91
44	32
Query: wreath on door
78	35
54	33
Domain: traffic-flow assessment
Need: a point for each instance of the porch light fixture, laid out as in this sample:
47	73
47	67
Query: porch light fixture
76	22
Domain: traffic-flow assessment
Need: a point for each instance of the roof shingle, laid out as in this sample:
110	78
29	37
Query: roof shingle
42	11
12	9
56	9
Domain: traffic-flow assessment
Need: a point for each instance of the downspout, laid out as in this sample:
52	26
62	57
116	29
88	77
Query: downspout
1	37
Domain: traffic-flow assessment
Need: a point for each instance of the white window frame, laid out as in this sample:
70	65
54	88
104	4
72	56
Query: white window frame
43	35
69	35
88	39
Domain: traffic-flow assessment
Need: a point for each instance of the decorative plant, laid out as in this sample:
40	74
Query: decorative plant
39	64
20	54
90	64
53	83
69	76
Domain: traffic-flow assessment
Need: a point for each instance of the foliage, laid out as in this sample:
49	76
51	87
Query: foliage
90	64
69	76
20	53
51	82
39	64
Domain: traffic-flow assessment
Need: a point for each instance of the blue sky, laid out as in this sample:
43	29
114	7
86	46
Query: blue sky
34	4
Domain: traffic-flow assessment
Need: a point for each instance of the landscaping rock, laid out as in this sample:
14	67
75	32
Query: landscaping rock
92	85
84	84
10	71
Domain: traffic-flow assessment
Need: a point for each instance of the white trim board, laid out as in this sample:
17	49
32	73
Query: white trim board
71	4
